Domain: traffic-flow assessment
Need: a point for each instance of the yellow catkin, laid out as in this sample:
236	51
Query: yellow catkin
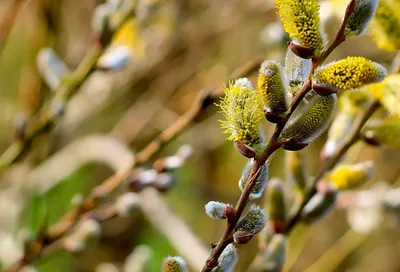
243	111
301	21
349	73
174	264
272	88
385	27
347	177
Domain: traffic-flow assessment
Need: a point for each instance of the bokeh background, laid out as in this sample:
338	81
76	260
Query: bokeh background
183	47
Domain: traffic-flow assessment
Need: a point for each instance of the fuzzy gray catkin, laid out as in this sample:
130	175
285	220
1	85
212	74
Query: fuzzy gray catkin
311	122
261	180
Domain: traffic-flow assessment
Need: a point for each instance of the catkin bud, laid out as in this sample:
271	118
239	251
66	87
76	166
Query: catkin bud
272	90
349	73
51	67
115	58
218	210
310	123
276	206
77	241
361	16
274	255
126	203
164	181
253	222
227	260
296	172
386	132
296	70
101	21
243	111
260	182
345	177
321	203
174	264
301	21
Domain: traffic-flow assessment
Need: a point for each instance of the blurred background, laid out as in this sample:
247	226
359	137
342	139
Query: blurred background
176	48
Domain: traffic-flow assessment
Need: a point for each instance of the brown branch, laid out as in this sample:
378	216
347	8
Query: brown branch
340	35
9	16
46	121
351	138
273	145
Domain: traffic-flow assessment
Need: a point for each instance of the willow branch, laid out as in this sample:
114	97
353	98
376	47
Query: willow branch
273	145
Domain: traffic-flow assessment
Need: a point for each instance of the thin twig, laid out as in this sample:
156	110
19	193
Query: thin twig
9	16
346	244
340	35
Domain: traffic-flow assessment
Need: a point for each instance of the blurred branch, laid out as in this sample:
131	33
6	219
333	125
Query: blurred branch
47	120
352	137
337	252
205	98
80	152
7	21
51	238
171	226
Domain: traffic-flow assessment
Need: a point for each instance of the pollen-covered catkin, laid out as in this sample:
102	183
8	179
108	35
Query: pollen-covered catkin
174	264
272	88
301	21
361	16
243	111
349	73
311	122
346	177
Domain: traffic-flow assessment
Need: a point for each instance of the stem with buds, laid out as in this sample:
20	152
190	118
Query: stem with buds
272	146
